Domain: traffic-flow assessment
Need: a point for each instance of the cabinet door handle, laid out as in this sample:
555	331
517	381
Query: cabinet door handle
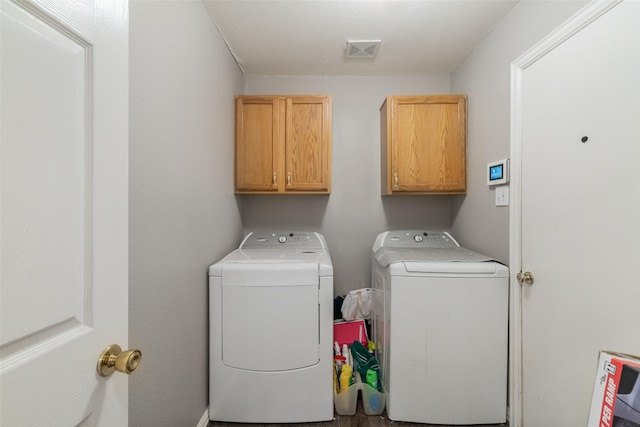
289	178
275	181
395	180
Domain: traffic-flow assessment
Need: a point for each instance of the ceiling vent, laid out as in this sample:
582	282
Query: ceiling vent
362	49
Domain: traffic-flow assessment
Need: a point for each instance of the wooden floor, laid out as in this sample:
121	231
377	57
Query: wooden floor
360	419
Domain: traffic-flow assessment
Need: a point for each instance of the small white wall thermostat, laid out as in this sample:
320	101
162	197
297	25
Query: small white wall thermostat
498	172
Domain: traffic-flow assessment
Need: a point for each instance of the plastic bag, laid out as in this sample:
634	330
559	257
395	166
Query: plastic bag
357	304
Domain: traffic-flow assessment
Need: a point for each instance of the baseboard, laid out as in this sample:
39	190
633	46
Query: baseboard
204	421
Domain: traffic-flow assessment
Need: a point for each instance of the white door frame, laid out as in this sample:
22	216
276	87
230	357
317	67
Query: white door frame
584	17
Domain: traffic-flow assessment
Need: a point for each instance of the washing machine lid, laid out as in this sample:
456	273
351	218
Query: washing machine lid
449	269
418	252
456	268
280	247
277	259
386	256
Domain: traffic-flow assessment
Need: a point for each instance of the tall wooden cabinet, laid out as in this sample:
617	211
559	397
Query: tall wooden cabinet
423	144
283	144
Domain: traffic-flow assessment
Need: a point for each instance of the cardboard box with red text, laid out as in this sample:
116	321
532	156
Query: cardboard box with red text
616	392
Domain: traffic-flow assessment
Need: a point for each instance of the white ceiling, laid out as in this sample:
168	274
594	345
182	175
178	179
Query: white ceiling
307	37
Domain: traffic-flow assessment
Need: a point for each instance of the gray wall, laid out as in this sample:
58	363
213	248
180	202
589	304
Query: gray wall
353	215
485	76
183	214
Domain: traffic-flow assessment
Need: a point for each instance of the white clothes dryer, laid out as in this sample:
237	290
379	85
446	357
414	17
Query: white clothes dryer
440	323
271	326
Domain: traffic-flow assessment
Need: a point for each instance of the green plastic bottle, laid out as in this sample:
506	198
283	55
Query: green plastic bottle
372	378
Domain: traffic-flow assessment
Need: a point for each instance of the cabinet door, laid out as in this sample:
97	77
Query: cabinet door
428	144
308	144
258	134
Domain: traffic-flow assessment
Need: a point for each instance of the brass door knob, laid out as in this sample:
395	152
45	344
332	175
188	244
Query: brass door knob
526	277
114	359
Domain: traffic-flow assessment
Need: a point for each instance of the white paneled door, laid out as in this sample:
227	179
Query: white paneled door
577	152
63	229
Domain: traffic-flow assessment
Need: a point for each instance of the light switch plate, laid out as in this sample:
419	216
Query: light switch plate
502	195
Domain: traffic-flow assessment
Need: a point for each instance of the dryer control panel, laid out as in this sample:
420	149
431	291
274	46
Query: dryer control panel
415	239
283	239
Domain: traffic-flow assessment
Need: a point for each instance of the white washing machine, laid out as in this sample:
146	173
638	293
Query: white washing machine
440	322
271	326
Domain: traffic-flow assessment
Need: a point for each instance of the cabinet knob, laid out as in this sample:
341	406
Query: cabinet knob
395	180
275	181
289	178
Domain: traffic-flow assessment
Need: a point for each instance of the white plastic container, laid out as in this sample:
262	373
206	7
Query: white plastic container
372	400
346	402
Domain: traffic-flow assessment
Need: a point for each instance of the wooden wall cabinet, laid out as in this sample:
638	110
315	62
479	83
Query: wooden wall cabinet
283	144
423	144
